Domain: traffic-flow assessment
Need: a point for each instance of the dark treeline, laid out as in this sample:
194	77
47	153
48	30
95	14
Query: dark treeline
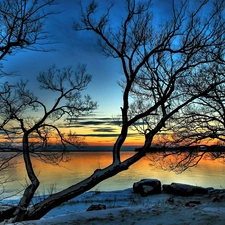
200	148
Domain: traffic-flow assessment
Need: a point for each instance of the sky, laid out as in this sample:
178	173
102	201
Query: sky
73	47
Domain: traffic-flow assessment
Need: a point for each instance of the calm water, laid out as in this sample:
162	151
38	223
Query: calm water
207	173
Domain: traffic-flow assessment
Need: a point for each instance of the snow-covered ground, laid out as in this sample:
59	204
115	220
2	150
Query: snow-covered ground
126	207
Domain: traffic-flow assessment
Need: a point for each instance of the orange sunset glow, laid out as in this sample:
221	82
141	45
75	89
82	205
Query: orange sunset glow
78	163
98	136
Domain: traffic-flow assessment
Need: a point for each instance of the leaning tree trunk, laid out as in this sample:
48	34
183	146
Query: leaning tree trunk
29	192
40	209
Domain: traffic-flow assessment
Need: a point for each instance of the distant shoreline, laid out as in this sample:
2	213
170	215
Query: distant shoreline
213	148
153	149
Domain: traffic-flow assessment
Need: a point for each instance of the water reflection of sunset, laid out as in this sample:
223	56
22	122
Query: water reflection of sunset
83	164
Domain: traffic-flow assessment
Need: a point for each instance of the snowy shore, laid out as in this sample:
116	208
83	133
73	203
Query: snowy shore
126	207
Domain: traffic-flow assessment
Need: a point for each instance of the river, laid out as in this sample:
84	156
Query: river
82	164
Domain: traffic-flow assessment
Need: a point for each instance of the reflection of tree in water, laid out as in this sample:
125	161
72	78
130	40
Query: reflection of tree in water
181	161
217	155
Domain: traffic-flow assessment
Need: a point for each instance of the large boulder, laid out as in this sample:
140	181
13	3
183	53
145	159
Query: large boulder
184	189
147	187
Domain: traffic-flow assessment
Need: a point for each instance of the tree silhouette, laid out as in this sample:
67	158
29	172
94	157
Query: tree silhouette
16	104
22	27
203	121
163	66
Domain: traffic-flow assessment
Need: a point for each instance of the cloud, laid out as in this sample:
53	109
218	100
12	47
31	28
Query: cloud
95	121
98	135
103	135
105	129
2	132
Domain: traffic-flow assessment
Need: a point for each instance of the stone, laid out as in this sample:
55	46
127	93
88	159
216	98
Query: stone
170	200
147	187
210	189
192	203
218	197
146	190
184	189
96	207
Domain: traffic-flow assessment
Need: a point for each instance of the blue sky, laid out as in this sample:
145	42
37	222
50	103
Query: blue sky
73	47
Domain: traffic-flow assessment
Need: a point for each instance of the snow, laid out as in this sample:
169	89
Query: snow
126	207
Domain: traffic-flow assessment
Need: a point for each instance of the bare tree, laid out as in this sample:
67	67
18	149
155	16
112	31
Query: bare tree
22	27
18	101
203	121
199	127
175	160
162	66
22	23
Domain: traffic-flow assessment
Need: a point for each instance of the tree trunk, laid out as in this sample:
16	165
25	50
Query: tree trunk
31	189
40	209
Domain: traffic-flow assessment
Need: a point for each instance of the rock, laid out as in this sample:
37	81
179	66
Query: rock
210	190
193	203
184	189
146	190
216	191
170	200
96	207
218	197
147	187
